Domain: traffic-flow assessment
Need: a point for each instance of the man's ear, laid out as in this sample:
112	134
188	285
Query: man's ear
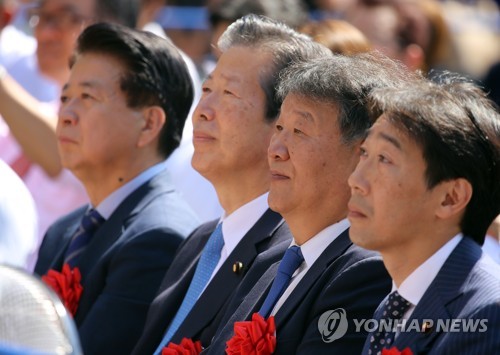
455	197
154	120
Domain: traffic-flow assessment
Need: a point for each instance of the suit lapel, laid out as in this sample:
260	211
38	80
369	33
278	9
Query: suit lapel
226	280
172	293
332	252
113	228
444	291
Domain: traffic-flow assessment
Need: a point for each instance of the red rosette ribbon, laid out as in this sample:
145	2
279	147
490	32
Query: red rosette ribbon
186	347
67	285
255	337
395	351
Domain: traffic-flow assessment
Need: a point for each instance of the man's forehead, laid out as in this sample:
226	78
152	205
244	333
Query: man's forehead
84	7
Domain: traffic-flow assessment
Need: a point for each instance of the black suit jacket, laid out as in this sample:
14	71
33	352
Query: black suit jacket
344	276
467	289
202	321
123	265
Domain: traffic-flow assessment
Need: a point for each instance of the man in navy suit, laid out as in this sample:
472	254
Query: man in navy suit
233	124
314	149
122	114
423	194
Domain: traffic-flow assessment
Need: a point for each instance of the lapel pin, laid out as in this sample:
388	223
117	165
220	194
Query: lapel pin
426	327
238	267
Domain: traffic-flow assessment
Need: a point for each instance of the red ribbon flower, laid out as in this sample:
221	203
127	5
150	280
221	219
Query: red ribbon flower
255	337
186	347
395	351
67	286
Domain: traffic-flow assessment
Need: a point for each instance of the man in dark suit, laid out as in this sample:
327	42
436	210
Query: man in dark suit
120	118
233	124
314	149
423	194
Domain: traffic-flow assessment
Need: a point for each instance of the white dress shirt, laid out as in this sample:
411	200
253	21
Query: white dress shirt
311	250
236	225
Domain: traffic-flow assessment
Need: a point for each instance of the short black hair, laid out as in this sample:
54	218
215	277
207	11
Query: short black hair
155	74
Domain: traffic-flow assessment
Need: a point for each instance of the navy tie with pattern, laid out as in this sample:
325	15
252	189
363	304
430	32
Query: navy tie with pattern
90	222
394	308
291	261
208	261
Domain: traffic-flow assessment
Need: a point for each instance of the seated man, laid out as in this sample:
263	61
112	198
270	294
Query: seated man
233	124
122	114
314	149
423	194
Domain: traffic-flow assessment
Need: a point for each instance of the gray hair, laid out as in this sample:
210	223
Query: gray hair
285	44
344	82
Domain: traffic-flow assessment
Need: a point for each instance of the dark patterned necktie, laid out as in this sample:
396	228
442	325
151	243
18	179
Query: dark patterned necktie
394	308
89	224
291	261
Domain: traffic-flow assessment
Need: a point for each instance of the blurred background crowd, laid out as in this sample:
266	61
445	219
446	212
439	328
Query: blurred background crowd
37	39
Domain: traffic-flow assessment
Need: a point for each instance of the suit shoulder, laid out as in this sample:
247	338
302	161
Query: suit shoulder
165	212
482	287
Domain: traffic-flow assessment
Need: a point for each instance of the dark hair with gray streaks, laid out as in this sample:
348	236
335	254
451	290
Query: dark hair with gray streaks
345	82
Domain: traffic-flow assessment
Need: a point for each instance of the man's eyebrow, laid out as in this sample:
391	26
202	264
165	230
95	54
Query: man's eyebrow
85	84
391	139
306	115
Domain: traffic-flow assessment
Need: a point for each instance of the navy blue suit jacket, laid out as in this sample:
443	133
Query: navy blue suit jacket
203	319
123	265
466	288
344	276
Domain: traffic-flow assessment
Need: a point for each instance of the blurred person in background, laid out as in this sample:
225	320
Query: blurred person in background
186	23
337	35
327	9
18	220
411	31
14	43
224	12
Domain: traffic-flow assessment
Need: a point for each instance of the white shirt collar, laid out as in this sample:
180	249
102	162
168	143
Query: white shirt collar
311	250
111	203
314	247
415	285
238	223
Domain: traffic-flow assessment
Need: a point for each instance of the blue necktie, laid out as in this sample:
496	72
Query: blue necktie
90	222
290	262
208	261
394	308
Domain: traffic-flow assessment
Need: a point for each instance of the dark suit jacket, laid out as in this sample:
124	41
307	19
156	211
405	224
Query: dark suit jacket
123	265
202	321
344	276
467	287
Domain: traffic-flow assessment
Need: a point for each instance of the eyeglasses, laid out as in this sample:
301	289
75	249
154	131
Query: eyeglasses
62	19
